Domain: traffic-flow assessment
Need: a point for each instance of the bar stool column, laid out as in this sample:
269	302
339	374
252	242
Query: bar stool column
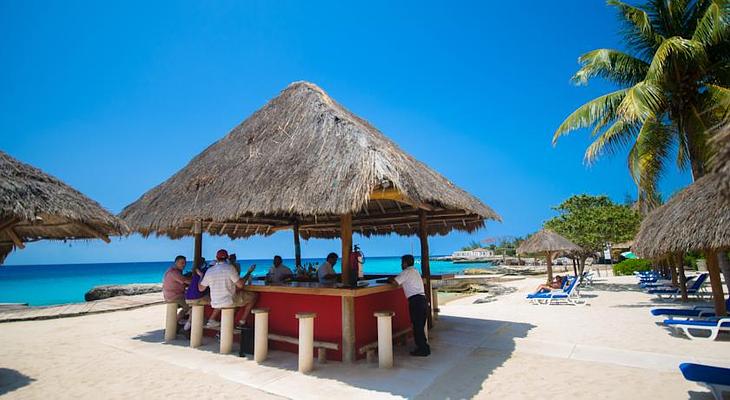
261	334
306	341
385	338
196	325
226	330
170	321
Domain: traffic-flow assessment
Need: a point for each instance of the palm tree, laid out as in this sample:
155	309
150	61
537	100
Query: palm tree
674	88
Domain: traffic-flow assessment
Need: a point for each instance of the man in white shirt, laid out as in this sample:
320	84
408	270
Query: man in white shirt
326	270
412	284
278	272
223	281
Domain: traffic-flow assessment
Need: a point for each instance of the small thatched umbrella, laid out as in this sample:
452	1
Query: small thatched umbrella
695	219
721	160
35	205
550	243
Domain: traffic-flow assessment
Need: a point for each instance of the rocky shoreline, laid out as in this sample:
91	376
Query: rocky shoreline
107	291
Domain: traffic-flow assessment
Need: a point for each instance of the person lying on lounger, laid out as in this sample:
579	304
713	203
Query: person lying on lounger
557	283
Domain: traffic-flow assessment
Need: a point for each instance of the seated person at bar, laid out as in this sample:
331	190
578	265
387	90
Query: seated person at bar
326	270
234	263
278	272
173	286
412	284
193	293
223	282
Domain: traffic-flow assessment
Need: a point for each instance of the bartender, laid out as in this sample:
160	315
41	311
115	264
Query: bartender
412	284
326	270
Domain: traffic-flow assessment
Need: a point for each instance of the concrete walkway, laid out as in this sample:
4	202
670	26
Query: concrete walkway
77	309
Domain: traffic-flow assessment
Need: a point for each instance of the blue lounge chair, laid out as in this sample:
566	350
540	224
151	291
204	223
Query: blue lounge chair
695	289
715	378
707	311
713	325
567	294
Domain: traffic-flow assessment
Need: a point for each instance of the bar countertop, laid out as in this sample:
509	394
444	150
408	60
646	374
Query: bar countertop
320	289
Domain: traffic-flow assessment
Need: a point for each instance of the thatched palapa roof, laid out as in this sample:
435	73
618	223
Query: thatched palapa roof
35	205
303	158
546	241
697	218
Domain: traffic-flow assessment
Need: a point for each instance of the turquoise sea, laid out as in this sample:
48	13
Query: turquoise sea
66	283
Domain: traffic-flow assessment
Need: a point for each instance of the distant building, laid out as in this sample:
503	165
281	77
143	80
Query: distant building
475	253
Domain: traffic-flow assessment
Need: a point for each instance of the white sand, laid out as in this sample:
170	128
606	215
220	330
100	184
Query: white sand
609	349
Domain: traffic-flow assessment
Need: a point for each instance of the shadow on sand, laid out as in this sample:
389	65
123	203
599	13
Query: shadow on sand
11	379
465	352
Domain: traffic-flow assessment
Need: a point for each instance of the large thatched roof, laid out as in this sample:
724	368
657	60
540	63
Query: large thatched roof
304	158
35	205
546	241
697	218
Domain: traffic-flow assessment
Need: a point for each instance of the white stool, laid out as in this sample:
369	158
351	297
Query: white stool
196	324
261	334
385	338
170	321
306	341
227	315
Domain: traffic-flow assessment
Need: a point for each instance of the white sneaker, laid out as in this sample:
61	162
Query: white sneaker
213	324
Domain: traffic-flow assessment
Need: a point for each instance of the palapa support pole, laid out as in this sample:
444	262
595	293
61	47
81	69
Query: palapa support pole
549	261
196	325
306	341
261	334
679	263
226	330
198	251
385	338
297	246
713	267
348	329
425	263
346	237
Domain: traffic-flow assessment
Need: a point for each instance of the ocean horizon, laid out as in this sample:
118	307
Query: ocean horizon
49	284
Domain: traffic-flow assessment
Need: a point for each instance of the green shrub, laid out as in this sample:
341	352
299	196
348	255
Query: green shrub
629	266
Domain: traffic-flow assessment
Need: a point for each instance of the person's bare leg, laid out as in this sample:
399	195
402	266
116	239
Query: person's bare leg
246	311
215	315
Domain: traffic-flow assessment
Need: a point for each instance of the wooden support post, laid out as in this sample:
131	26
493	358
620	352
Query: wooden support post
346	237
15	238
679	263
297	247
713	267
198	251
549	261
348	329
425	263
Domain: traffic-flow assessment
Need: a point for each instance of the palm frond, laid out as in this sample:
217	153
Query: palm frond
642	101
713	27
610	64
649	155
679	49
615	138
640	33
590	113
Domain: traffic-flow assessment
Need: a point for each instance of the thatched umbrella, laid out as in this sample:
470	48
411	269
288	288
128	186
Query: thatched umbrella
35	205
721	160
695	219
550	243
304	162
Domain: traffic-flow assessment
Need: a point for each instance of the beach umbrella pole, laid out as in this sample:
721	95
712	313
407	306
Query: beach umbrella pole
297	246
198	251
713	267
425	263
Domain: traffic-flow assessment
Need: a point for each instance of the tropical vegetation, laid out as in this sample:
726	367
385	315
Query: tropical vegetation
674	87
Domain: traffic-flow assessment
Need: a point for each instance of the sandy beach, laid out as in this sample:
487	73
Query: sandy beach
609	348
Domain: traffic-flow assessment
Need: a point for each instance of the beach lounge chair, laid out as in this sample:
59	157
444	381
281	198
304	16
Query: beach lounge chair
695	289
713	325
715	378
706	311
568	294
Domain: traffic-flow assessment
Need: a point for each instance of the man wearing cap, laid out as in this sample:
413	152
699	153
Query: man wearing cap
223	281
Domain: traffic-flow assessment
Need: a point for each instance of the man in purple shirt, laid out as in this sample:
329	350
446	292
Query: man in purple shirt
173	286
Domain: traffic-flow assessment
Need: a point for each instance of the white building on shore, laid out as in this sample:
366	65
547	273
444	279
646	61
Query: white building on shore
471	254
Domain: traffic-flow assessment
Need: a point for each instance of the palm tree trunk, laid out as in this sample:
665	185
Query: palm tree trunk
717	293
679	262
549	267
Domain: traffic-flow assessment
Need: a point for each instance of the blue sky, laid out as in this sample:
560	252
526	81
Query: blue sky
115	97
